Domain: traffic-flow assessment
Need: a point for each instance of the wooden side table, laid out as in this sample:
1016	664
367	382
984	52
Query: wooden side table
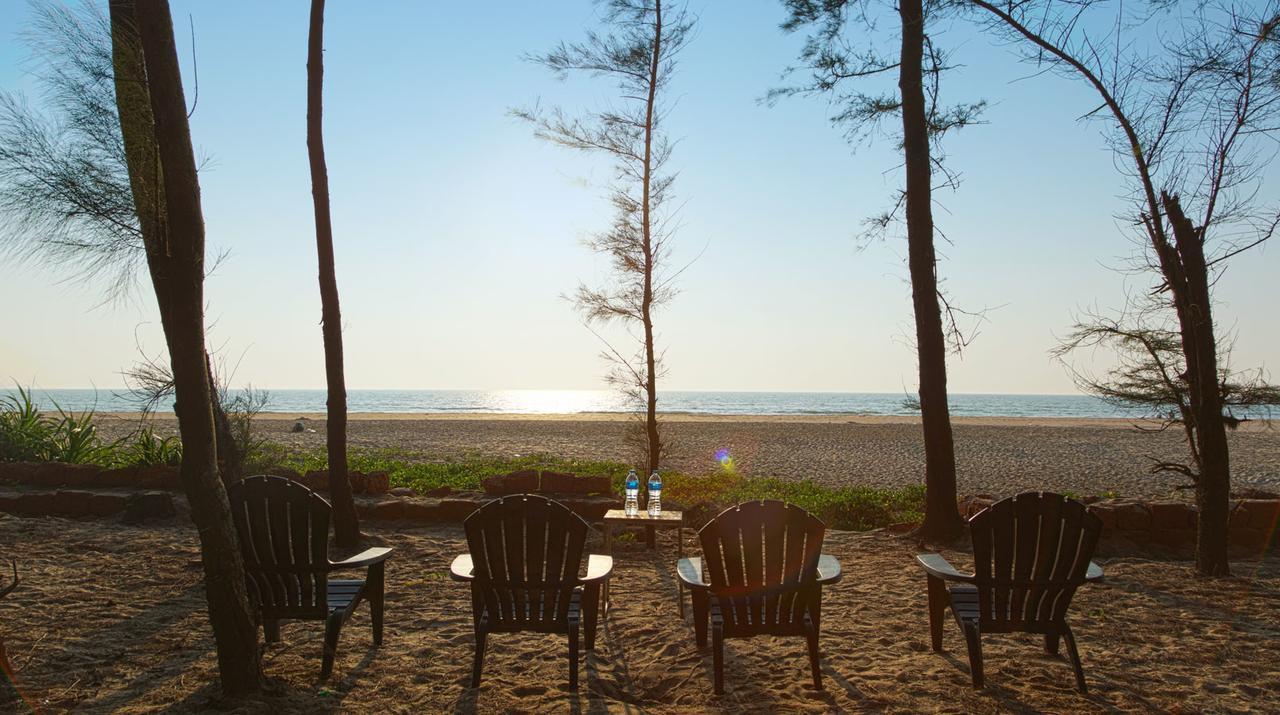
666	519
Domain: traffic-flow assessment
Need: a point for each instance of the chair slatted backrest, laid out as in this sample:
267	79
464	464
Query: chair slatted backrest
762	561
526	551
1031	552
284	535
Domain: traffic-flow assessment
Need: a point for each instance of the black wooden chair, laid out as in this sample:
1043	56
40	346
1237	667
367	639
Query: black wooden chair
764	575
1031	552
526	555
284	535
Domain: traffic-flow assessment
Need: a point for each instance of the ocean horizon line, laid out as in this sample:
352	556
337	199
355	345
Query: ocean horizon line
603	401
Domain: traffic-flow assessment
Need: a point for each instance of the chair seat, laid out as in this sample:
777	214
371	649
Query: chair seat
964	602
531	623
343	595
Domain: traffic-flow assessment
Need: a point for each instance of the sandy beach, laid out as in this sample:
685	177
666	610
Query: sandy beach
111	618
995	455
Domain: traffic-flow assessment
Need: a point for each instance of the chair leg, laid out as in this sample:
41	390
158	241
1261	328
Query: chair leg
1074	654
375	587
271	630
592	613
811	633
700	607
478	662
937	609
1051	643
573	656
332	629
717	648
974	640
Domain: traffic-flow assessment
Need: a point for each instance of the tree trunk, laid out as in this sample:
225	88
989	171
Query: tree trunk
346	525
149	98
230	459
646	307
942	520
1190	288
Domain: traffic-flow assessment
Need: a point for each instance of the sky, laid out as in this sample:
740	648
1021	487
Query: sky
457	233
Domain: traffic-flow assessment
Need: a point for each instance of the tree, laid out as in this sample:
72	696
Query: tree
346	524
157	145
640	59
1152	375
919	66
64	184
1190	126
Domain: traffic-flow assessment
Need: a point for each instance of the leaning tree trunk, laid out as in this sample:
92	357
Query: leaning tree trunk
1190	288
941	517
653	438
149	99
346	525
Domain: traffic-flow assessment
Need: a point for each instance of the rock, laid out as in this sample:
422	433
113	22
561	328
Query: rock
377	483
521	482
1179	539
387	510
1106	513
457	509
1256	514
557	483
402	492
440	492
1171	515
18	472
299	426
316	480
974	504
596	485
285	472
147	505
1247	540
57	474
1132	516
157	476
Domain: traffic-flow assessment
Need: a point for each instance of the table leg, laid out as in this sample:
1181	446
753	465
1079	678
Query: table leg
608	549
680	554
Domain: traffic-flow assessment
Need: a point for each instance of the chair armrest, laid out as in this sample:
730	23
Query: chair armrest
829	570
368	557
689	571
462	569
599	568
1094	573
938	567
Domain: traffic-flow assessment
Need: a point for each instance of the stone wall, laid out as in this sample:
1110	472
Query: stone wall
1129	524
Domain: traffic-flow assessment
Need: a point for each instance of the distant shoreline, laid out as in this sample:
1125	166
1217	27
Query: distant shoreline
688	417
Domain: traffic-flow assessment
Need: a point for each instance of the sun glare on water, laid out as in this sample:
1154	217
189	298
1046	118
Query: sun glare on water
557	401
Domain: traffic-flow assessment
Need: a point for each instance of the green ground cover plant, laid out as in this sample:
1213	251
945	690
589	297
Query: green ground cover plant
854	508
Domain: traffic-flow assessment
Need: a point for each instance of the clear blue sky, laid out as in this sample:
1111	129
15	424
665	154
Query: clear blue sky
457	232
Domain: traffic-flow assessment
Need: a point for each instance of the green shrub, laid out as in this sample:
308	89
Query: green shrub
25	434
29	435
147	450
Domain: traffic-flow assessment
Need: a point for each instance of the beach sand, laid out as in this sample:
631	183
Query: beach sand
995	455
111	618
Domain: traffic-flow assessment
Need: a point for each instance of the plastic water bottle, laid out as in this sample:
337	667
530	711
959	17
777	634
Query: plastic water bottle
655	494
631	506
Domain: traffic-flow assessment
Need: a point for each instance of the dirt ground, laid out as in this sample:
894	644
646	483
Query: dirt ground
110	618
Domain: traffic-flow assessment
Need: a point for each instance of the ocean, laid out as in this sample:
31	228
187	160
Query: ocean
584	401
